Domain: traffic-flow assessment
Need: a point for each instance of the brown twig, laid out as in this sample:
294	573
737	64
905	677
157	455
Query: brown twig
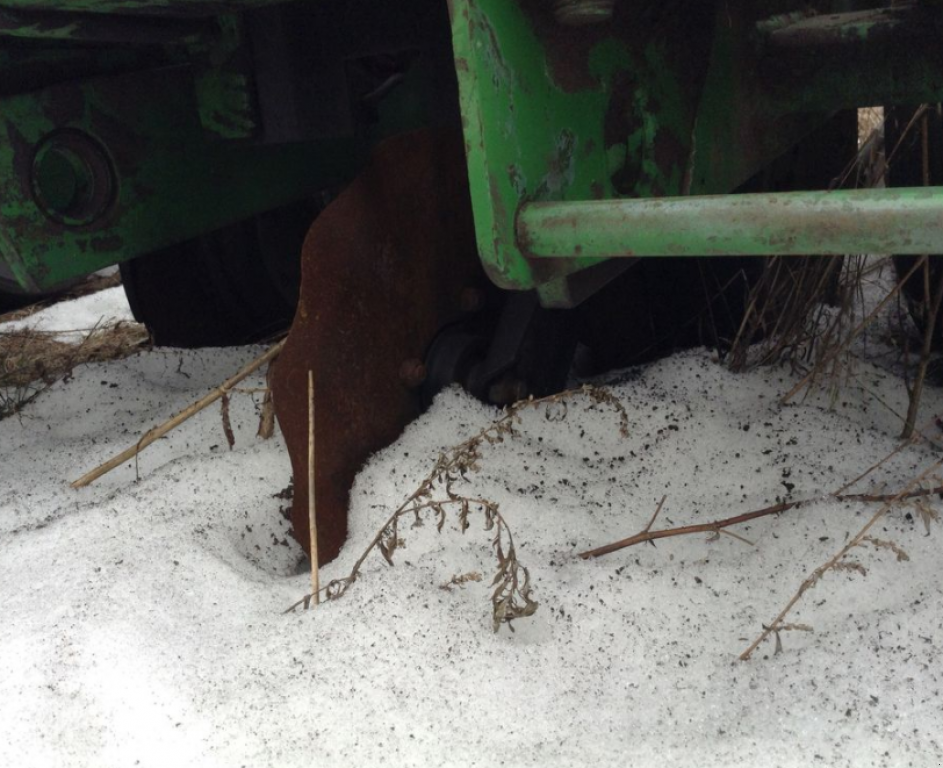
907	442
312	516
814	577
158	432
267	417
928	333
719	526
854	334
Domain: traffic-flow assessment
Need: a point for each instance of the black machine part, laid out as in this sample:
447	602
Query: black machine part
529	351
913	135
234	286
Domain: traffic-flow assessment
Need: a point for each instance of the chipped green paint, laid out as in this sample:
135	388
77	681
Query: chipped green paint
222	78
171	183
639	113
526	138
618	118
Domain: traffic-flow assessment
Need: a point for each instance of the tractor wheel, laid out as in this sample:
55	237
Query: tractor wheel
234	286
904	136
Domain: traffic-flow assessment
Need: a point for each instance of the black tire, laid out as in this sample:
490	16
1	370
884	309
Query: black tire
906	169
237	285
13	297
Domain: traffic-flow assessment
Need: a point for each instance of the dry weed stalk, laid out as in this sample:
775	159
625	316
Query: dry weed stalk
154	434
789	307
832	355
267	415
787	628
915	497
840	560
438	494
459	580
312	508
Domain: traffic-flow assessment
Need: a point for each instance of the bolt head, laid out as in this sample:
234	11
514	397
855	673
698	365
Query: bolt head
412	373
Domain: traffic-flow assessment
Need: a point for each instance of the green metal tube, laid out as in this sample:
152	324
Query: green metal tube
878	221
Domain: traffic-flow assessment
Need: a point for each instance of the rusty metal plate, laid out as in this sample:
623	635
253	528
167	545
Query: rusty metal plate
383	268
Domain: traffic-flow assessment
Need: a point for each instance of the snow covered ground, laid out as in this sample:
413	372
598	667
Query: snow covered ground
141	618
71	319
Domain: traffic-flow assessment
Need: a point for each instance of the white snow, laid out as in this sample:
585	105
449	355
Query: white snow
74	319
142	618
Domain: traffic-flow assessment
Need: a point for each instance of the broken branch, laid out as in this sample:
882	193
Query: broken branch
719	526
158	432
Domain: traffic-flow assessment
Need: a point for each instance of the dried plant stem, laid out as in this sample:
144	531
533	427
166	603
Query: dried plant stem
720	526
928	333
854	334
813	577
158	432
876	465
917	436
267	417
511	594
312	515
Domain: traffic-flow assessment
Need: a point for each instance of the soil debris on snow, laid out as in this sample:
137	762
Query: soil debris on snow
142	618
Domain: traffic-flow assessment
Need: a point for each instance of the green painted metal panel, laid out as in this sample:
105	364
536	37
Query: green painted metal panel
162	7
525	138
636	108
144	174
615	110
878	221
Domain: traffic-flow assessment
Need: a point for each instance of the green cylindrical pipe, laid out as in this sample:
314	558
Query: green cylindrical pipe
878	221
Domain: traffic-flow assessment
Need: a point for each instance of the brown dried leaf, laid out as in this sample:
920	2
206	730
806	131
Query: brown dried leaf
927	514
850	565
267	417
227	424
387	549
884	544
795	628
460	580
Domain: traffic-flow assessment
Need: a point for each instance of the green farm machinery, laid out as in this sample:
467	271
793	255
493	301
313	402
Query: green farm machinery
449	191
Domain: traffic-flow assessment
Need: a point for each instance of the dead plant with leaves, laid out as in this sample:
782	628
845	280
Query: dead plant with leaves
440	493
843	560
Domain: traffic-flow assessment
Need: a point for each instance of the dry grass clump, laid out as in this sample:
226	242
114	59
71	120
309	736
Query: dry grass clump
804	308
870	119
31	360
808	311
792	308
